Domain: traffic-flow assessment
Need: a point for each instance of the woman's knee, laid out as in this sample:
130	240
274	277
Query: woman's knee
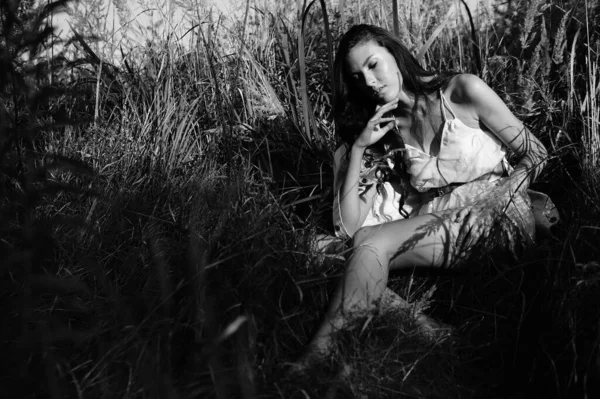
377	241
369	235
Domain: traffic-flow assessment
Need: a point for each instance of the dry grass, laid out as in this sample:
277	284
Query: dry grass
157	218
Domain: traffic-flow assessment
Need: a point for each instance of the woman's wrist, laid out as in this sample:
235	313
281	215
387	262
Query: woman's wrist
358	149
520	179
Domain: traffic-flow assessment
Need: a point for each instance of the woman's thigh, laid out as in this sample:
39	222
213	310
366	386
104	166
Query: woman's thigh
426	240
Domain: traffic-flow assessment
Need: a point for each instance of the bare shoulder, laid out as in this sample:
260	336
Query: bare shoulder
470	90
467	88
482	103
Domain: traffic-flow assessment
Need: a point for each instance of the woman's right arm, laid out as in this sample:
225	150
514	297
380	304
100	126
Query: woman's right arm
353	204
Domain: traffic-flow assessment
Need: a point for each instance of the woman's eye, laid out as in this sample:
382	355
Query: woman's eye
373	65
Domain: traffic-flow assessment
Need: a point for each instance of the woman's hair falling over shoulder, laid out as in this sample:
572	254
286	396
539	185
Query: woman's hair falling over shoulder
351	109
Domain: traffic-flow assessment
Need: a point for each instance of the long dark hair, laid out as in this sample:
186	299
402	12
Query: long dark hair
351	109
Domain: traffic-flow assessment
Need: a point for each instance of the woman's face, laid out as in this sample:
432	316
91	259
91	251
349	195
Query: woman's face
374	71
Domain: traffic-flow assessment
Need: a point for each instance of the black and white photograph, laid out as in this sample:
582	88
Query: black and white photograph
300	199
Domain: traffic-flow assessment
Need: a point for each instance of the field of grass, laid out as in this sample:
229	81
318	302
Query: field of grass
158	215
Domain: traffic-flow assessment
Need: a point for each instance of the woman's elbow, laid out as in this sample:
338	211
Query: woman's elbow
349	228
540	156
533	149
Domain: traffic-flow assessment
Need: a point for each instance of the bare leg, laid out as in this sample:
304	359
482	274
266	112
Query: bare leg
421	241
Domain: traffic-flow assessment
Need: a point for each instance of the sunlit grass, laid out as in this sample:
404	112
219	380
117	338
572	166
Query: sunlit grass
158	217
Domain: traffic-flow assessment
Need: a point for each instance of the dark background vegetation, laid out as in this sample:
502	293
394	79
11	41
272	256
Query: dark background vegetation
157	215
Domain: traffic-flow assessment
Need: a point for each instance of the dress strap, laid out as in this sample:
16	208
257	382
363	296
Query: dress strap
445	105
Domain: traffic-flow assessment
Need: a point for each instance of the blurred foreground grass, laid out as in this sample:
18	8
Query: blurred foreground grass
157	218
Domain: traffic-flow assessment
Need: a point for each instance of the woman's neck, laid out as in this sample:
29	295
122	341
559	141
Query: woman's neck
410	105
418	114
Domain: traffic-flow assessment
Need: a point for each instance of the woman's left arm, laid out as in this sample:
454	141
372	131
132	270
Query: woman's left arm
495	115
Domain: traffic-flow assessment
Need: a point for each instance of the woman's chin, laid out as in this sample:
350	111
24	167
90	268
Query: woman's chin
384	100
384	97
387	96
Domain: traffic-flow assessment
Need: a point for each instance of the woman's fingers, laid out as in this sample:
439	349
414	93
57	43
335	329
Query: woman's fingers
378	125
389	126
467	233
379	111
384	119
460	214
472	218
475	226
463	232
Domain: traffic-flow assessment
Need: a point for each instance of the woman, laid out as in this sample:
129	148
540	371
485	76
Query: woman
448	134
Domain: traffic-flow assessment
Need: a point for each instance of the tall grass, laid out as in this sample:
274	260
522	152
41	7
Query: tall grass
159	217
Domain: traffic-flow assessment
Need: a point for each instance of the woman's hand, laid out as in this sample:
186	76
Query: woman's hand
472	226
518	181
373	132
476	222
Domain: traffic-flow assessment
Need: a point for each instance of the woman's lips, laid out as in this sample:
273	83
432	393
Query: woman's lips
377	92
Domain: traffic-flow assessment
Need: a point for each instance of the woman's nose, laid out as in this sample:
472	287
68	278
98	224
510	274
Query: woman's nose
370	80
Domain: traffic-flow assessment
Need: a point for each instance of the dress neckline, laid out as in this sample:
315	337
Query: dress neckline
444	129
444	133
447	122
443	105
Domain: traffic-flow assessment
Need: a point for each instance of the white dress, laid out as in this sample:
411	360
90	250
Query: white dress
467	155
